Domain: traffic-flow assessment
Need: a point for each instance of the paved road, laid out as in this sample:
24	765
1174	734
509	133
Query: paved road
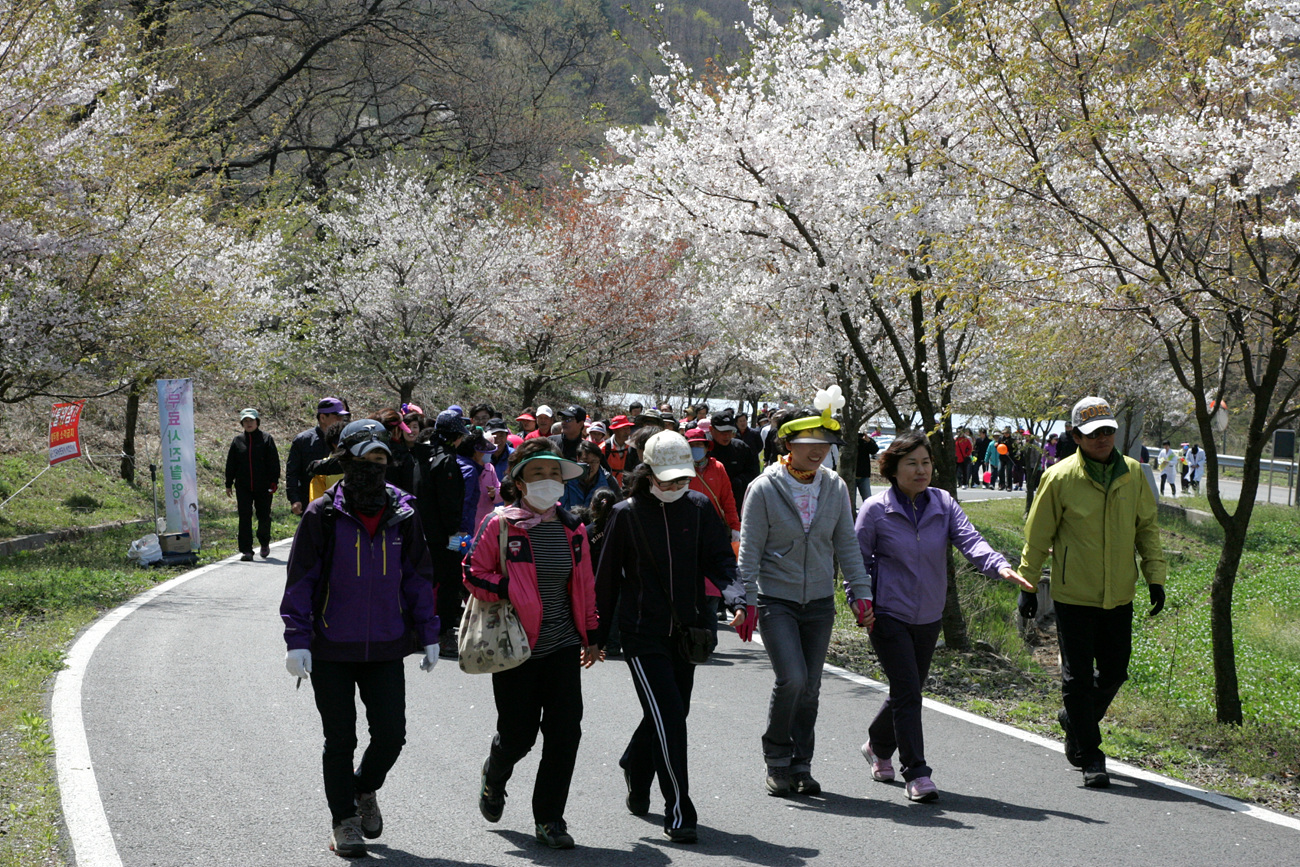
205	754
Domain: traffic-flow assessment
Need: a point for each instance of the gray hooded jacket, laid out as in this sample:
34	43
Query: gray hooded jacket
778	559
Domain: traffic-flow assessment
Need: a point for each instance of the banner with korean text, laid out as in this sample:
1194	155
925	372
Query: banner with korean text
179	474
65	438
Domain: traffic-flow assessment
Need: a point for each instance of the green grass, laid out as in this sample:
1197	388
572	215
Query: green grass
46	598
1163	719
70	494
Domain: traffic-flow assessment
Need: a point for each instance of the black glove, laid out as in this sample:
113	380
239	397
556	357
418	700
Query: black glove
1028	604
1157	598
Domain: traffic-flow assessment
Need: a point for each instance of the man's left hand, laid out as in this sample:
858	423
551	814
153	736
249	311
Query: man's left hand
1157	599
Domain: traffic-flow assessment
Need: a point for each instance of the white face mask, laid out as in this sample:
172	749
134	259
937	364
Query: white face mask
668	496
543	494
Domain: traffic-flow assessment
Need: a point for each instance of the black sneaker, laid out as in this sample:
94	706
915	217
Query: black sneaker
803	783
491	800
778	781
265	552
372	821
1072	754
1094	774
554	834
246	556
682	835
637	805
447	648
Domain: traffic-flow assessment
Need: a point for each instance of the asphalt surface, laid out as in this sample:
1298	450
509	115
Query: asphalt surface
206	754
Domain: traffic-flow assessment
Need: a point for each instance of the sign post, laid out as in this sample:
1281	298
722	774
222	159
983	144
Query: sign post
179	472
1284	447
65	437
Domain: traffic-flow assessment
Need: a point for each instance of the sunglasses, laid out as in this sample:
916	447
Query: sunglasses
1101	432
674	485
370	434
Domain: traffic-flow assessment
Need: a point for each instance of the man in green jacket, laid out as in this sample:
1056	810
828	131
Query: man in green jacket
1092	513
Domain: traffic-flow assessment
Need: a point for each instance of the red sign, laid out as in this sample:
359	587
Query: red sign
65	441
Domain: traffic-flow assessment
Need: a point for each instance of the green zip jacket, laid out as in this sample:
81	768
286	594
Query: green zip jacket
1093	534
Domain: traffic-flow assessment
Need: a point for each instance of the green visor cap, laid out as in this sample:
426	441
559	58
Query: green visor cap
568	469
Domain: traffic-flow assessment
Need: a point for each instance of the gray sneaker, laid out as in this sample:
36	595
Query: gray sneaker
346	839
372	821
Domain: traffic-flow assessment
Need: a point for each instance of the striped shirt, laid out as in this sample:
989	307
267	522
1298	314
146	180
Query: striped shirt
554	562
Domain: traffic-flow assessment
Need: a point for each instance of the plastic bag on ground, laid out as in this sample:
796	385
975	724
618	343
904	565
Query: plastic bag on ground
145	550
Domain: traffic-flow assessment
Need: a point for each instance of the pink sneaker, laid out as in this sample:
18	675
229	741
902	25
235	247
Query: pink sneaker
882	770
922	789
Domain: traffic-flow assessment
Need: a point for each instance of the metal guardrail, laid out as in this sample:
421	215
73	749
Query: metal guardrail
1265	464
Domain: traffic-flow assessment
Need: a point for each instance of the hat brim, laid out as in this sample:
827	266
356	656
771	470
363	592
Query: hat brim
1092	424
365	448
724	427
829	438
569	470
673	472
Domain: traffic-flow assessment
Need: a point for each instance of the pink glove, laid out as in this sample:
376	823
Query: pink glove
746	629
862	608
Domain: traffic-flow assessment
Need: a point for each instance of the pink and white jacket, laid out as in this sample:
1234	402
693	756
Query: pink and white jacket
484	580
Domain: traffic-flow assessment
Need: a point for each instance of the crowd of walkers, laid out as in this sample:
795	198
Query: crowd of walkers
630	537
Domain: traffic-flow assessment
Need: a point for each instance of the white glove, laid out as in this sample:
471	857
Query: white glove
735	535
298	662
430	658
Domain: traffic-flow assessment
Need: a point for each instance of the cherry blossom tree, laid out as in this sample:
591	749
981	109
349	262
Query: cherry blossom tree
1152	148
581	303
407	276
821	166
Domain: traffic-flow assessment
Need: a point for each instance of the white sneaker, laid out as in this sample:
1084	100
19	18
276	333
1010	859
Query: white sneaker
346	839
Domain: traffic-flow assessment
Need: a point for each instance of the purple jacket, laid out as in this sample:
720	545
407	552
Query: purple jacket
907	556
377	603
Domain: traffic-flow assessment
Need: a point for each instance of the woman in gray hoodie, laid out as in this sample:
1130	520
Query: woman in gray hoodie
797	521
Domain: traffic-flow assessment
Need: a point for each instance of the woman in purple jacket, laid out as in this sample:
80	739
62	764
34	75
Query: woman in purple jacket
359	598
904	533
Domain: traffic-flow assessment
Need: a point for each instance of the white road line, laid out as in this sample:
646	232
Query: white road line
1252	810
83	811
1127	770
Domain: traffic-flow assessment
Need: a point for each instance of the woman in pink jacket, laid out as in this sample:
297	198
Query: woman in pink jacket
550	583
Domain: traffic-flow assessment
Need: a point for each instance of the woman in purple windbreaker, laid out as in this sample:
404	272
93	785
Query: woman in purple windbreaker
357	601
904	533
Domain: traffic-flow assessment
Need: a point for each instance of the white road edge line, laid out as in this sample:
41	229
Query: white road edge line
83	811
1127	770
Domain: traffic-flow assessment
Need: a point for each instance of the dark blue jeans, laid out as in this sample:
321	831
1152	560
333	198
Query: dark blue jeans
1089	635
796	637
904	651
382	686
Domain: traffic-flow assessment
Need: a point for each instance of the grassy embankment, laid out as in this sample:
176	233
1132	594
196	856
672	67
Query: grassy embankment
47	597
1164	716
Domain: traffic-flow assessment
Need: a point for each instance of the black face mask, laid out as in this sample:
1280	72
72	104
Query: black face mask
363	486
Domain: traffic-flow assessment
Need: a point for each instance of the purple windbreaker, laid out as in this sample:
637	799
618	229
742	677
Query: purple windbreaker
377	603
907	559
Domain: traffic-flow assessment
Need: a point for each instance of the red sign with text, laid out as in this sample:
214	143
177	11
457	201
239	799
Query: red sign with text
65	440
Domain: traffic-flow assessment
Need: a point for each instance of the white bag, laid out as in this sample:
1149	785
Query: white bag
145	550
491	636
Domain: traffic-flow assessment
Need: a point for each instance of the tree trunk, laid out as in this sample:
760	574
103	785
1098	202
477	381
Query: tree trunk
405	393
1227	695
954	622
128	438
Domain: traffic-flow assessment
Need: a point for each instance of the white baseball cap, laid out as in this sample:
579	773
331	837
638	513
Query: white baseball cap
669	456
1092	413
